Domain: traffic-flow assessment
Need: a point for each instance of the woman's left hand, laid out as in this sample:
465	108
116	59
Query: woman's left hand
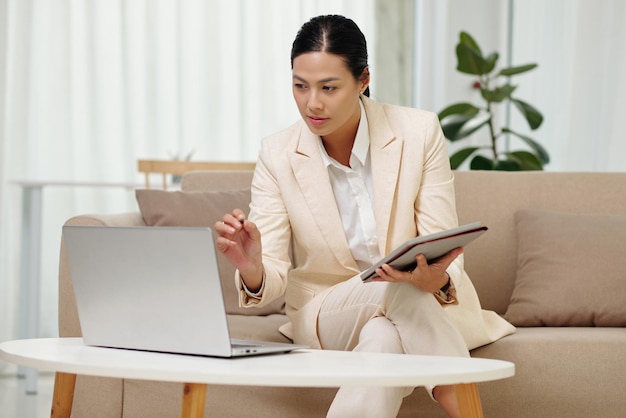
428	277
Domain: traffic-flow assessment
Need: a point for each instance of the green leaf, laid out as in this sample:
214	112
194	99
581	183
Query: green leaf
470	58
526	160
540	151
470	61
466	39
459	108
458	126
491	61
507	165
532	115
517	70
498	94
458	157
481	163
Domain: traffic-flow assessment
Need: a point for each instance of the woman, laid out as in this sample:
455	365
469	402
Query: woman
333	193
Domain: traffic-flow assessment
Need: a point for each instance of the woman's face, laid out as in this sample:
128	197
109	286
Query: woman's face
327	94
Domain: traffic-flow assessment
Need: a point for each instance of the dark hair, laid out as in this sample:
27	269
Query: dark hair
337	35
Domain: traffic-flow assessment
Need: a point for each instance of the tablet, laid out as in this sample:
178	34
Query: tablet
432	246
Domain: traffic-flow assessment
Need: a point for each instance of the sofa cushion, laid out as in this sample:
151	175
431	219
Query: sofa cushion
559	365
571	270
202	209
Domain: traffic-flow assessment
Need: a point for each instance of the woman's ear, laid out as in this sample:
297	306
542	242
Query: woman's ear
364	79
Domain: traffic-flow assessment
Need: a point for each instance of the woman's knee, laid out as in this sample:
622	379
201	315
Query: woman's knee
381	336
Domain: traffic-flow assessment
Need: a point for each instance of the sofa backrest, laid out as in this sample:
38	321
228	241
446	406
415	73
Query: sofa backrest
492	197
216	180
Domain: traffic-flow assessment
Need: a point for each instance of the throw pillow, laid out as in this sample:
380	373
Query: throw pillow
571	270
202	209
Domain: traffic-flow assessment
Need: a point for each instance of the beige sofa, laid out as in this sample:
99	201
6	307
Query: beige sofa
558	273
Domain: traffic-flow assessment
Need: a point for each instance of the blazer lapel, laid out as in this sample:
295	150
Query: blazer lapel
386	153
310	172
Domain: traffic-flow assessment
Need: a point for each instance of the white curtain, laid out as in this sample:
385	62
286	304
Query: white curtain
87	87
580	46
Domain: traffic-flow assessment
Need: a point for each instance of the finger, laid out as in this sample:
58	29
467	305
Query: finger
224	244
222	228
443	261
251	229
390	274
239	215
234	219
421	261
447	259
382	275
228	226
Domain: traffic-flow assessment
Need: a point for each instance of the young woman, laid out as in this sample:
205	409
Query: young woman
333	193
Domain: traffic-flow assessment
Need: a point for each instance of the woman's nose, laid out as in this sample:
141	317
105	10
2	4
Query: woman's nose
314	102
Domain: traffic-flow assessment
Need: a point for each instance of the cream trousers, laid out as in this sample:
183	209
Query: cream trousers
388	318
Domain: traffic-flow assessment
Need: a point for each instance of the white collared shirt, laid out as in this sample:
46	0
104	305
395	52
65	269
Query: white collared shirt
354	195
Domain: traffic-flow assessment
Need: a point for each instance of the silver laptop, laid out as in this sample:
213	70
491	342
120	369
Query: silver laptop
155	289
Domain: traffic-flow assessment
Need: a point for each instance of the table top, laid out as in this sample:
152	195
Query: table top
300	368
33	183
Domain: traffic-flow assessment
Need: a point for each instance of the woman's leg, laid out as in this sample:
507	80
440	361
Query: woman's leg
380	336
421	323
413	323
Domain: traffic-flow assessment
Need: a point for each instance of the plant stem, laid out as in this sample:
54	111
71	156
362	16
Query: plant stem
493	137
490	124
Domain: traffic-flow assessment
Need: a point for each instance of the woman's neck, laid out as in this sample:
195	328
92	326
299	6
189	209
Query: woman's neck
339	149
339	144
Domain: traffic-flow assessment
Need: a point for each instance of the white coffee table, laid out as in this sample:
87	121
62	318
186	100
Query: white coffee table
301	368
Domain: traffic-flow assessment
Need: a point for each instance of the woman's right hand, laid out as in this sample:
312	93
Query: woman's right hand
240	241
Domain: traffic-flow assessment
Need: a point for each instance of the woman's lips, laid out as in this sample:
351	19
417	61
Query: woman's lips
315	121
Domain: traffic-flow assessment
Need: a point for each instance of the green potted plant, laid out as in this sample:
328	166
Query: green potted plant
460	120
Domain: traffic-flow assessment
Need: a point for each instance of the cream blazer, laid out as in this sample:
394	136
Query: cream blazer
305	250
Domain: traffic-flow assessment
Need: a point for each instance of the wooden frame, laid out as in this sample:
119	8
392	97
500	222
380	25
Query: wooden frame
178	168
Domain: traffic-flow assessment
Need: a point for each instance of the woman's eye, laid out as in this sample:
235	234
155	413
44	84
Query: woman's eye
329	88
299	85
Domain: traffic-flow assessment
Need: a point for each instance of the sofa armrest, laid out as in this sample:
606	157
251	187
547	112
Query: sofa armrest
69	326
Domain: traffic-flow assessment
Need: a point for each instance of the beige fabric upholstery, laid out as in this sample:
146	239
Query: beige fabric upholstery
563	281
560	372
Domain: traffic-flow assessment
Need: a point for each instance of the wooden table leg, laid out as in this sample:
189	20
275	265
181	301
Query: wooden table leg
63	395
469	400
194	395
